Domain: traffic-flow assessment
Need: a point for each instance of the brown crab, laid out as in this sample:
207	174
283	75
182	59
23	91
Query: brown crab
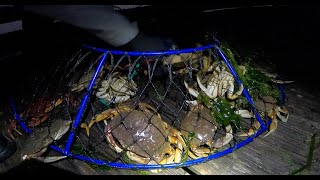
199	122
37	112
267	107
36	144
141	133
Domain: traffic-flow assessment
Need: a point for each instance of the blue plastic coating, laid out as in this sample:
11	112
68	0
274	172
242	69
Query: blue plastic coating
149	53
18	118
84	103
166	166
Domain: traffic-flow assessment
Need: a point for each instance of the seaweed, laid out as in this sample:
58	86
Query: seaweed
221	111
254	80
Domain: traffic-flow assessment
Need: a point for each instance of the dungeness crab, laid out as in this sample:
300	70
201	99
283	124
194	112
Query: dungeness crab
140	133
199	122
38	141
217	84
117	88
267	107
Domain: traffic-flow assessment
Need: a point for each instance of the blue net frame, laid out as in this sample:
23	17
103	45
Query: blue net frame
68	146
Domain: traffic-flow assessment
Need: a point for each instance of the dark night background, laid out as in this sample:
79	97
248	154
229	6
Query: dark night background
286	35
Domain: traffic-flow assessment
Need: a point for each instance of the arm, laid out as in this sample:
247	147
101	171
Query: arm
100	20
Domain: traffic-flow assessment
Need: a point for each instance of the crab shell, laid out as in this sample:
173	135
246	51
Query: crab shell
141	134
37	112
217	84
84	81
38	141
117	88
199	122
267	106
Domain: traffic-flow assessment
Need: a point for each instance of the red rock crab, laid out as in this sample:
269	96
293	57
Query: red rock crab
37	112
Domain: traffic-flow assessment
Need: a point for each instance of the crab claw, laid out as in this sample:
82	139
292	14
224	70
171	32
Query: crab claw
193	103
62	131
208	92
108	114
224	140
253	130
244	113
282	113
137	158
50	159
193	92
277	112
230	94
274	122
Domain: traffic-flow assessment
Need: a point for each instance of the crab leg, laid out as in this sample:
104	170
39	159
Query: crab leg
193	156
256	124
137	158
35	155
282	81
201	150
16	130
113	143
200	155
175	137
211	91
108	114
192	91
170	158
252	130
274	114
35	121
274	122
51	159
46	159
244	113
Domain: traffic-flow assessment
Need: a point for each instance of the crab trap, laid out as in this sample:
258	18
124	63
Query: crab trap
152	110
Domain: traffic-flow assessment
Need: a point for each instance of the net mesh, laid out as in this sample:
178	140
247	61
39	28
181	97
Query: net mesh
158	109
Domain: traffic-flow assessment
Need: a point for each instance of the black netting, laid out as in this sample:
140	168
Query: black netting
147	110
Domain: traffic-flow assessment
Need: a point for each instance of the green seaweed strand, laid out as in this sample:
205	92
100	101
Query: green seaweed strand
221	110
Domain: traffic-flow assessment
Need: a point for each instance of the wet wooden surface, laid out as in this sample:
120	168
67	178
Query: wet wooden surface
282	152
